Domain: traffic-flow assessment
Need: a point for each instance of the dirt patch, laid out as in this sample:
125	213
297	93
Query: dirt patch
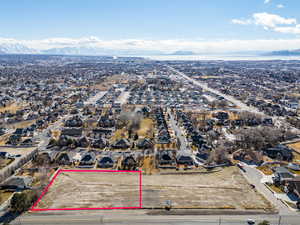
22	124
93	190
146	128
12	108
226	189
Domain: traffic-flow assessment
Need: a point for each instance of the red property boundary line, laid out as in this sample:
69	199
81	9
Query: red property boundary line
33	208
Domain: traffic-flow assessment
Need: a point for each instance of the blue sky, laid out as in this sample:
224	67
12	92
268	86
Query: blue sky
189	20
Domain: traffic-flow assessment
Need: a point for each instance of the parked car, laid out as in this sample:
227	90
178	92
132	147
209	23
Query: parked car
294	166
250	221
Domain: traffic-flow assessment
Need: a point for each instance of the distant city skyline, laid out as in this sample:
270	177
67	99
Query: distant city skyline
192	25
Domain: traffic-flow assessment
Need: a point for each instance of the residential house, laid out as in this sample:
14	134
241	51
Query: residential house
16	183
87	159
282	175
280	152
105	162
121	144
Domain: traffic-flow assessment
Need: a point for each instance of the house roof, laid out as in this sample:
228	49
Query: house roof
122	142
17	181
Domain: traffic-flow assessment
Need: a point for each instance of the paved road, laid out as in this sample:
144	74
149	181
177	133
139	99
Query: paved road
45	138
139	217
229	98
183	142
95	98
254	177
251	174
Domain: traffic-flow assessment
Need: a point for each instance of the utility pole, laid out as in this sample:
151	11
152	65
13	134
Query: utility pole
220	221
279	220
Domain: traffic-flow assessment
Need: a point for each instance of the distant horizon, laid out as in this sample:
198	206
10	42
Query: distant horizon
196	57
204	27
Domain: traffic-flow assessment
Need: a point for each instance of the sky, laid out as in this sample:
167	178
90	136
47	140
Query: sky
167	25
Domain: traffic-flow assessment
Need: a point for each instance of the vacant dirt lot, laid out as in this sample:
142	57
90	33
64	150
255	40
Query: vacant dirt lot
226	189
93	189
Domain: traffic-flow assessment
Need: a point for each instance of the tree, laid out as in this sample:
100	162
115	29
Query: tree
260	138
21	202
136	136
265	222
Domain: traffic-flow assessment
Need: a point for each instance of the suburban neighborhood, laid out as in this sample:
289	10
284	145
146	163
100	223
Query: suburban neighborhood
207	137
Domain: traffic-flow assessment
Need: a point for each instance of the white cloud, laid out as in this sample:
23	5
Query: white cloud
168	45
241	22
272	22
280	6
288	30
267	1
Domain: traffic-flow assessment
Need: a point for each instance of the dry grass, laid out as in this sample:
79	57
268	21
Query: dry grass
146	128
265	169
294	172
4	195
4	139
295	146
22	124
111	80
56	134
233	116
275	188
119	134
296	158
11	108
5	162
223	189
210	77
93	190
148	165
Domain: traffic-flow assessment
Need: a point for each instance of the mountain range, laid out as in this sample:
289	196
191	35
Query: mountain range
285	53
22	49
16	49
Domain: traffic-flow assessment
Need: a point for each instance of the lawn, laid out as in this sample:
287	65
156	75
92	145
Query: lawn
275	189
5	162
265	169
294	172
146	128
4	195
296	157
119	134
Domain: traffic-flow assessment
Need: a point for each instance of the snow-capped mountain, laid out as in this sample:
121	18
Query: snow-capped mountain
98	51
16	49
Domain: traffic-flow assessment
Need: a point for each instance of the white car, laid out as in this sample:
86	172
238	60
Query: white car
250	221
